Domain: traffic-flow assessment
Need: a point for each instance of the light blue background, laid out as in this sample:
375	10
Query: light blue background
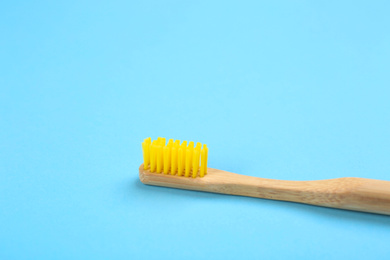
295	90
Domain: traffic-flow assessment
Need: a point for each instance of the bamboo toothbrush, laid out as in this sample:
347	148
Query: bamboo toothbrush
184	166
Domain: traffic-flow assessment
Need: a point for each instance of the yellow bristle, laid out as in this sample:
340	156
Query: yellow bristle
206	155
161	141
173	160
195	161
189	153
152	149
145	150
167	159
180	161
198	147
202	159
184	148
159	158
176	144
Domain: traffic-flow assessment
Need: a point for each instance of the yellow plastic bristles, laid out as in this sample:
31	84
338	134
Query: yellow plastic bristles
167	156
161	140
182	158
146	152
180	163
202	165
159	158
195	160
189	153
175	158
153	156
167	159
204	162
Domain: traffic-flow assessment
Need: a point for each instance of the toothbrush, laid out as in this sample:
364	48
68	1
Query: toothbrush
184	166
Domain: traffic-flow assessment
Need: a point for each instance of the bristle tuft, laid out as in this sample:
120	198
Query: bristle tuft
174	158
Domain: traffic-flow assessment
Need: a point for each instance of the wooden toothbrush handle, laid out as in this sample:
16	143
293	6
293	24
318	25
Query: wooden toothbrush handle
349	193
366	195
344	193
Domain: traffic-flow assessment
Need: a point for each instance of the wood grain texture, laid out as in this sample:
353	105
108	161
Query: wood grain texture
349	193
